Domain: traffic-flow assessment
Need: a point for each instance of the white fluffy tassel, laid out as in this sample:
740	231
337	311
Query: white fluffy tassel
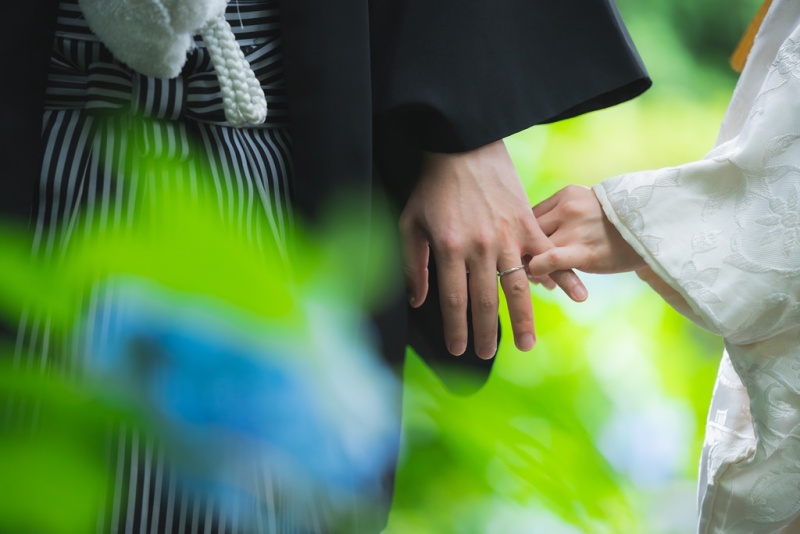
244	100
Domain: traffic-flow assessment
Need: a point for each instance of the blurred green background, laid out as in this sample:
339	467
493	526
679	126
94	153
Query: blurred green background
599	428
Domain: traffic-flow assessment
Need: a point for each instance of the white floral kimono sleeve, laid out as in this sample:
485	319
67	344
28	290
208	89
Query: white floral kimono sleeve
724	233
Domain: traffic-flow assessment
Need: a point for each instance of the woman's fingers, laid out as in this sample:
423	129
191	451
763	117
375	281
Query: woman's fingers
544	281
547	261
546	205
571	284
555	259
549	223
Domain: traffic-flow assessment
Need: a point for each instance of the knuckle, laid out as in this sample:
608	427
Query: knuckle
518	287
522	322
487	302
454	301
572	189
450	245
571	208
483	243
553	258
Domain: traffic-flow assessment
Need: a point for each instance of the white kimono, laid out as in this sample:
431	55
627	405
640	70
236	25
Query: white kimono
724	233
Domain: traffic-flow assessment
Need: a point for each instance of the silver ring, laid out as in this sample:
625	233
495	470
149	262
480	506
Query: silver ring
511	270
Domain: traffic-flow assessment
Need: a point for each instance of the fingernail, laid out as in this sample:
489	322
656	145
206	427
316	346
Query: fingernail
412	300
486	352
525	342
580	292
456	349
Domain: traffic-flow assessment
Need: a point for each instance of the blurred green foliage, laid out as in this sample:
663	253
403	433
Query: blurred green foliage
686	44
56	429
51	451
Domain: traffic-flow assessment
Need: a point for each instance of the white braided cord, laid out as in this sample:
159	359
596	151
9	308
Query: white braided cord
242	96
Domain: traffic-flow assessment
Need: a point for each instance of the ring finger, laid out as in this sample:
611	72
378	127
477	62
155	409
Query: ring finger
518	297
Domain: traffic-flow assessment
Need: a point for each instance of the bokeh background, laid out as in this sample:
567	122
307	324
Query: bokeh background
599	428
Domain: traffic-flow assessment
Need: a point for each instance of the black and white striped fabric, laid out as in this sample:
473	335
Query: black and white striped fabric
91	99
103	119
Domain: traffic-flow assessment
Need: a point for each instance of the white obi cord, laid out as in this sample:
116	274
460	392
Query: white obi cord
153	37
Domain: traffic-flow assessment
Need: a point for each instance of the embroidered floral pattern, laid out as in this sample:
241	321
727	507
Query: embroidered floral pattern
785	67
775	496
698	283
787	63
628	206
783	222
777	146
704	241
668	178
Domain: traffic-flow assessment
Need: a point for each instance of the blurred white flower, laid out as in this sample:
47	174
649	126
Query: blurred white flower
649	442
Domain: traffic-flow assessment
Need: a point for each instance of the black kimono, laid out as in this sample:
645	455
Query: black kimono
372	84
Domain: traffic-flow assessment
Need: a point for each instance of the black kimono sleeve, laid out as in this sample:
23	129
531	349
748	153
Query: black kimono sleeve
459	74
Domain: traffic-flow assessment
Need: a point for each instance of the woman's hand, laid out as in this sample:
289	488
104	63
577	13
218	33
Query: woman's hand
470	210
583	236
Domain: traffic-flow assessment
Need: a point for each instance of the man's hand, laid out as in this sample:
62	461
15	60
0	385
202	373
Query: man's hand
584	237
471	211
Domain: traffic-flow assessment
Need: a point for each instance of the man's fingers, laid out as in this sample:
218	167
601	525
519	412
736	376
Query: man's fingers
415	264
484	303
453	298
520	309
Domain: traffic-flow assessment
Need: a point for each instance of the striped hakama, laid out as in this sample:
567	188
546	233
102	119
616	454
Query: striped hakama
90	136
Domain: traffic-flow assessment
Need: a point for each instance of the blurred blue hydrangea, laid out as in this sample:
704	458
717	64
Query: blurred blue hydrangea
231	392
